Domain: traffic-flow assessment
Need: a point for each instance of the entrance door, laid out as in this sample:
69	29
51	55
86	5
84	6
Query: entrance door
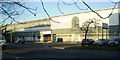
47	37
54	38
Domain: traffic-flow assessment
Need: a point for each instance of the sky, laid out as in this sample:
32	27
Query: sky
67	0
52	8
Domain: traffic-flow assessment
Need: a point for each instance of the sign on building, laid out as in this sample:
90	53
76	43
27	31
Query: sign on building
104	26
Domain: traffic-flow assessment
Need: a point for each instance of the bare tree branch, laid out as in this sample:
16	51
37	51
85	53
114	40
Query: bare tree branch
74	3
58	4
114	2
6	7
4	21
98	13
29	9
47	12
10	16
87	24
79	7
69	3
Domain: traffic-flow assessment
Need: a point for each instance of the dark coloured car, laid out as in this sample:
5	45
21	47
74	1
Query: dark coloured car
88	42
101	42
114	42
3	43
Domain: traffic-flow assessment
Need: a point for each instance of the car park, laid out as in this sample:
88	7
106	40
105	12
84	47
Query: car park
114	42
101	42
2	42
88	42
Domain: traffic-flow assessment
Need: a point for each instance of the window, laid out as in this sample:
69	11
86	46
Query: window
75	22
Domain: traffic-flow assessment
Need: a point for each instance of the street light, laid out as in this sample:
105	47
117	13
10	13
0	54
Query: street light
11	34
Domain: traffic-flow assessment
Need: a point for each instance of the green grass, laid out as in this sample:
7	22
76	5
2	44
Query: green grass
95	48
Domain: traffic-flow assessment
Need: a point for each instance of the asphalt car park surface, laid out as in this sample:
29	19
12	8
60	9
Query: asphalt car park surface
18	51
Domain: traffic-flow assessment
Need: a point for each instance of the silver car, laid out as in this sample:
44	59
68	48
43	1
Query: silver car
2	41
114	42
100	42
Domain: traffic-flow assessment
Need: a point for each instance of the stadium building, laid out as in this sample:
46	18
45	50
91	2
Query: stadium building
69	27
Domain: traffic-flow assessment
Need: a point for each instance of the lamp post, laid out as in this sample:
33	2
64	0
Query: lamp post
11	35
104	26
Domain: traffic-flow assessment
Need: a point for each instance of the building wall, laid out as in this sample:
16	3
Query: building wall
67	34
32	30
65	20
69	25
65	30
114	28
28	35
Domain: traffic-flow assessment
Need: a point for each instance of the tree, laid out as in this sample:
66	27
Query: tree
86	25
88	7
9	11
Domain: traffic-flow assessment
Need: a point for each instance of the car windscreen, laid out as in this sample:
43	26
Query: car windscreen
102	39
116	40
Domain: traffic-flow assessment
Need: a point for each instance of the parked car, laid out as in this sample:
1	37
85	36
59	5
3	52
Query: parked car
2	42
101	42
114	42
88	42
23	41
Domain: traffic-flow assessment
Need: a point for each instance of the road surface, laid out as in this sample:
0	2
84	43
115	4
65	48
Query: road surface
18	51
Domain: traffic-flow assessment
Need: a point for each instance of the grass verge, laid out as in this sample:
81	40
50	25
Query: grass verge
95	48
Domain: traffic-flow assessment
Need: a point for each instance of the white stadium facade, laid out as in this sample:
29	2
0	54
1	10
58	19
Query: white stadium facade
68	29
